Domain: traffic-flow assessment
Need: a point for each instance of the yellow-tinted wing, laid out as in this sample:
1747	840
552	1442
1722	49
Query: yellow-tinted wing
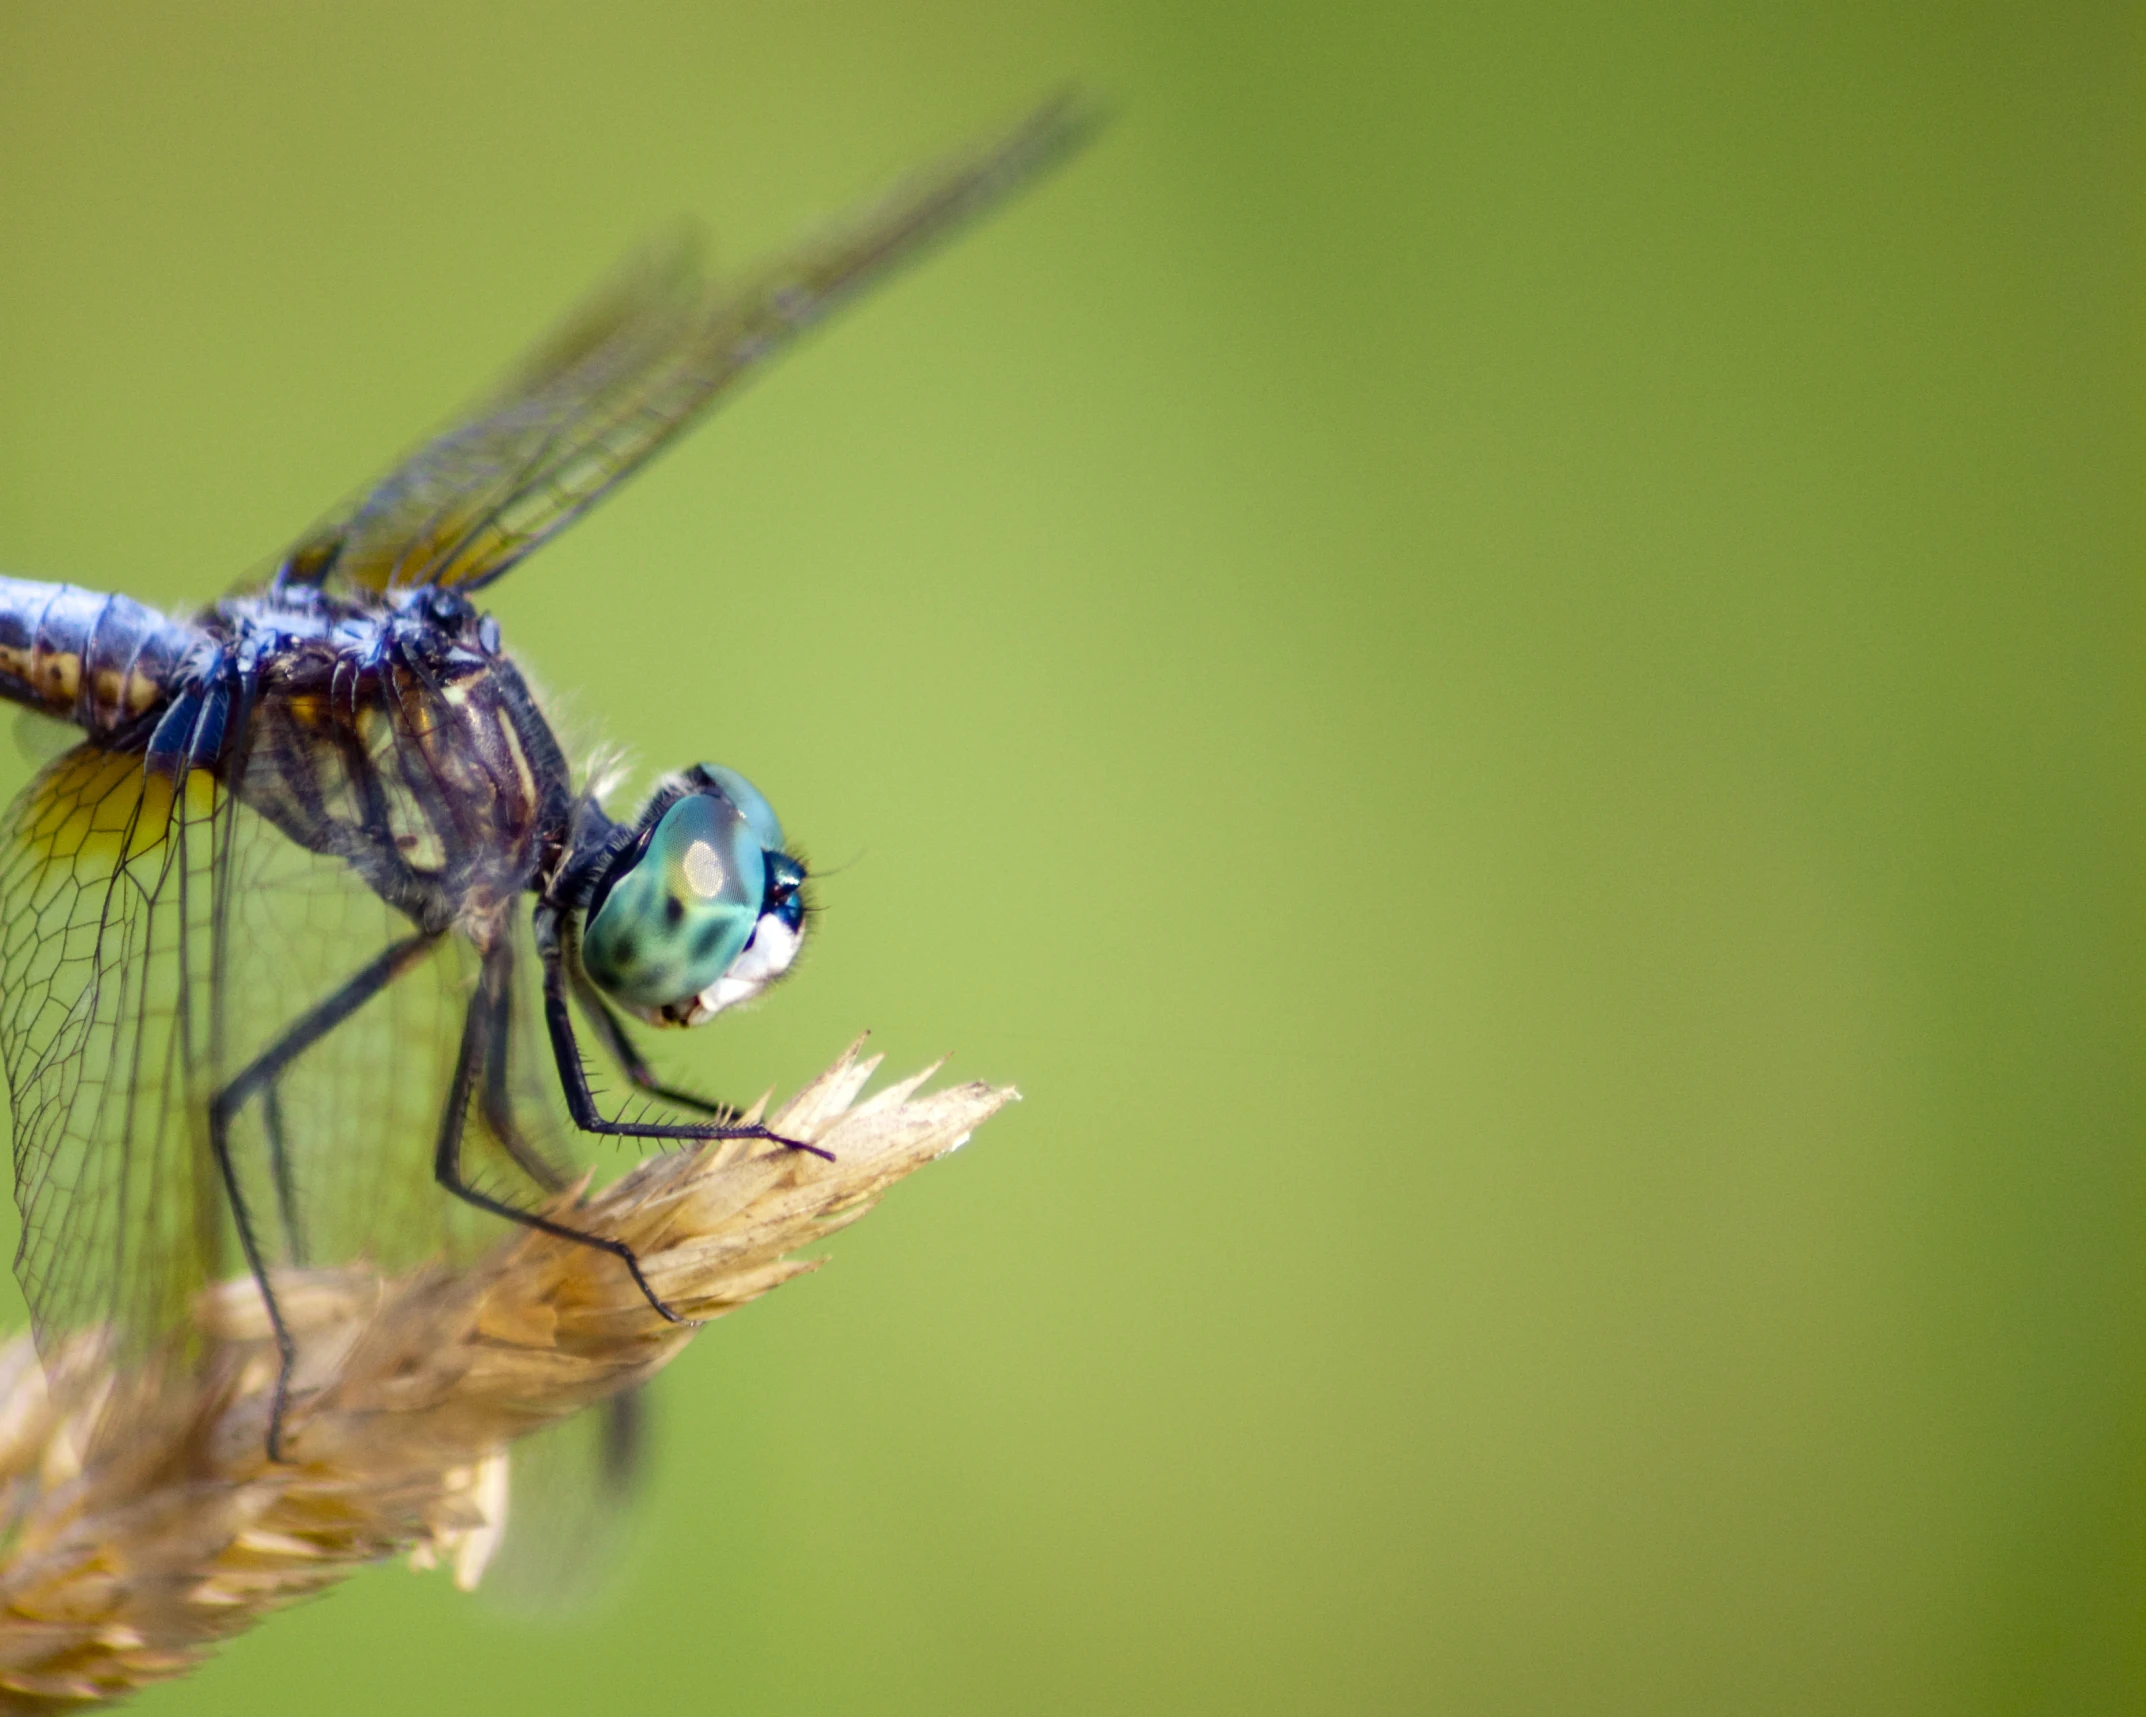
155	939
106	884
629	370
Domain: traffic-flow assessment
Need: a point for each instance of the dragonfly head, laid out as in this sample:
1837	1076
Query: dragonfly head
701	909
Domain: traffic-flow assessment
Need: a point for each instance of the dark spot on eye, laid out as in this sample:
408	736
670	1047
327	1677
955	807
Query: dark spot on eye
674	910
704	943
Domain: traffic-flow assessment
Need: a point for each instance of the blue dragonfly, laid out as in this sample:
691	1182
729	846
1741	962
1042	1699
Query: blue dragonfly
303	944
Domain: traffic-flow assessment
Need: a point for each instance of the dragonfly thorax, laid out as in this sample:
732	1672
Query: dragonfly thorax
700	908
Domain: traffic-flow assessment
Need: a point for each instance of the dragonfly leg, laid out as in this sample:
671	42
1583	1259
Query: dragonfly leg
574	1077
279	1168
627	1054
286	1348
259	1078
495	1099
482	1044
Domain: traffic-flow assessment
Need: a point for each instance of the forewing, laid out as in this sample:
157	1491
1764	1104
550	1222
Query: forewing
630	370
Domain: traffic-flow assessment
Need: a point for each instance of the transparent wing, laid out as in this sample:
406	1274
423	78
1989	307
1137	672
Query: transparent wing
570	1518
106	875
156	938
629	370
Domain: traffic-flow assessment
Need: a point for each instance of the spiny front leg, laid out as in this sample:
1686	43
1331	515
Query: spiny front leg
581	1101
619	1041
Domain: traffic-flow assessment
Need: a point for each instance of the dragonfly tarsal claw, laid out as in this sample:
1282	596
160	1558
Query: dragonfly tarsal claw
783	1139
662	1309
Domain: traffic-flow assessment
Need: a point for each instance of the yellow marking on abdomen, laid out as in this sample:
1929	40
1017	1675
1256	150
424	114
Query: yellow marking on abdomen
55	675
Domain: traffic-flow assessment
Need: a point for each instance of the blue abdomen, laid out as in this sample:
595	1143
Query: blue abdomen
102	662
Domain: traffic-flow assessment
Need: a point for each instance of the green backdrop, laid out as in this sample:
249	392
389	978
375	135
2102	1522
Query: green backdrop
1497	653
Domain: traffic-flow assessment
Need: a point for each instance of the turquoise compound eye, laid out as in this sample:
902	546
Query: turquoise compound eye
672	923
759	814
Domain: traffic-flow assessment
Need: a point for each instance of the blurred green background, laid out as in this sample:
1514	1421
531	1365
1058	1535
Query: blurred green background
1496	652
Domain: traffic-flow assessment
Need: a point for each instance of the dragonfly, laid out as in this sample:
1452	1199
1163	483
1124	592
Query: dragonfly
306	943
